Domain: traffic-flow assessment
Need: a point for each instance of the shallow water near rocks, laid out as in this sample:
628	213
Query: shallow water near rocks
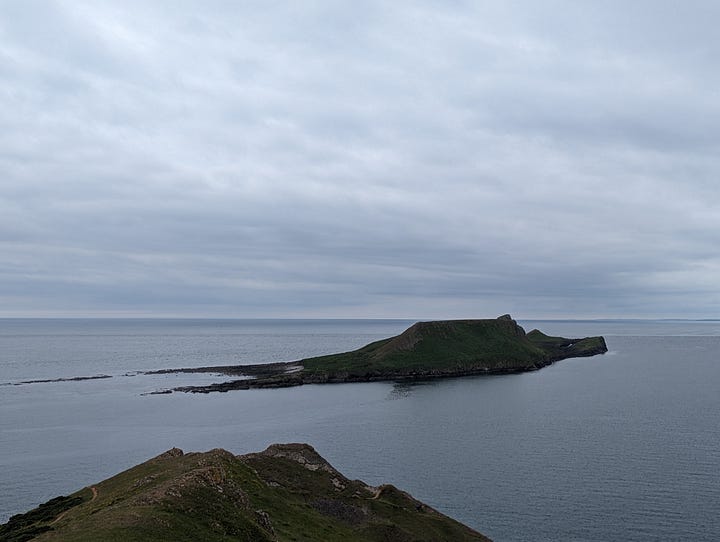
621	446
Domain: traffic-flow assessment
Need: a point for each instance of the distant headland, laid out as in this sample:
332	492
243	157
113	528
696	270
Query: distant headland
426	350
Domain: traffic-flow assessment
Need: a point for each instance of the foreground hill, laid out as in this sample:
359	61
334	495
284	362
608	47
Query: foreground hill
425	350
286	493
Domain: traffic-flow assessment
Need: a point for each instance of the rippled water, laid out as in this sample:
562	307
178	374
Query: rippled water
621	446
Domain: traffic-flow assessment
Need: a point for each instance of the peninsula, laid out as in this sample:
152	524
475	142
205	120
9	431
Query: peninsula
286	493
426	350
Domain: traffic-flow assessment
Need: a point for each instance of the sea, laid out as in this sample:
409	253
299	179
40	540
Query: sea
621	446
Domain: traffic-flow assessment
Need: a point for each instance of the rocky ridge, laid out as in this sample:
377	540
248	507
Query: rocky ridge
286	493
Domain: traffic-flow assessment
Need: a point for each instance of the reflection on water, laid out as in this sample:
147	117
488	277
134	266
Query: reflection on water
402	390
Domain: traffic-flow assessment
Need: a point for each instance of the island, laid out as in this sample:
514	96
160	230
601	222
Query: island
286	493
426	350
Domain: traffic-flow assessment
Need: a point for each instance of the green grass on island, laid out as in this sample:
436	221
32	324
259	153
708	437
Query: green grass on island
453	346
425	350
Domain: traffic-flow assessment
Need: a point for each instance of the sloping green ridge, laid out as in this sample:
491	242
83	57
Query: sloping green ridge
453	346
560	347
286	493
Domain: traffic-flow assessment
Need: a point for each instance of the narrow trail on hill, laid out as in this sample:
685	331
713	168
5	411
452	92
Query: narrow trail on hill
94	496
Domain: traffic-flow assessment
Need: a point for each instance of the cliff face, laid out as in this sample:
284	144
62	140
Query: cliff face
287	492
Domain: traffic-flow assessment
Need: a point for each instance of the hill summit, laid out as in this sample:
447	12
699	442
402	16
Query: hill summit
453	348
286	493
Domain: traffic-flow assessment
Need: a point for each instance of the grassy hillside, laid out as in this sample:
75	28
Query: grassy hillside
286	493
560	348
452	346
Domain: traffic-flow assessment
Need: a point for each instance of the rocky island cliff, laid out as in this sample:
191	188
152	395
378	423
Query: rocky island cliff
286	493
426	350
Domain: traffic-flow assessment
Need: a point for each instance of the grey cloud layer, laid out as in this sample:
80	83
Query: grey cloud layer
326	159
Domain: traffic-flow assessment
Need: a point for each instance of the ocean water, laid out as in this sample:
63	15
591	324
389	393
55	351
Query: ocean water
624	446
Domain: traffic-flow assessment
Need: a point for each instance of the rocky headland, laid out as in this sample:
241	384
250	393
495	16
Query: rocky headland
426	350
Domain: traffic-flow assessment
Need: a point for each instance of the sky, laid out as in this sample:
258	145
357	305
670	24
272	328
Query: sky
425	159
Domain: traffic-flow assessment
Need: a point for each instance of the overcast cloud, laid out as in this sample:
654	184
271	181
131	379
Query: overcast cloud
360	159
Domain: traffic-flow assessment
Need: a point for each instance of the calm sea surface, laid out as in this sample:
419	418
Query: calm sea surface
624	446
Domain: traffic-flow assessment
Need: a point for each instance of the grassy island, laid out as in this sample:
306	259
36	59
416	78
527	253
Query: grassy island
426	350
